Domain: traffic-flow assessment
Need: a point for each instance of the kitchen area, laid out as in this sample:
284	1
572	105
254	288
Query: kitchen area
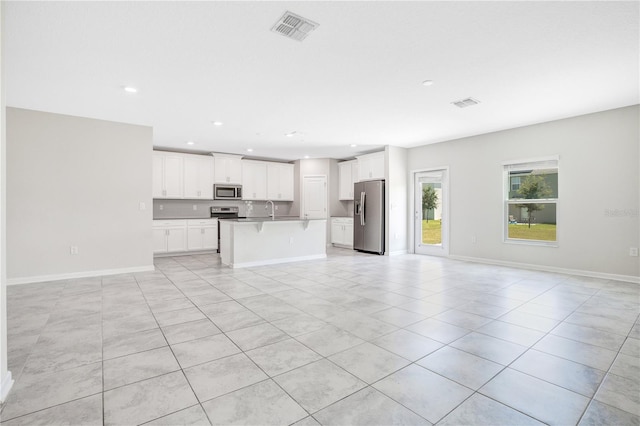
253	212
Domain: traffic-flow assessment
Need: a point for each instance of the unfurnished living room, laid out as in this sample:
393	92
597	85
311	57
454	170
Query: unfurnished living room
320	213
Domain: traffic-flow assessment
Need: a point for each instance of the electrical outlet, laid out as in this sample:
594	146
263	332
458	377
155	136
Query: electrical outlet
195	207
276	207
633	251
474	239
161	207
73	249
143	206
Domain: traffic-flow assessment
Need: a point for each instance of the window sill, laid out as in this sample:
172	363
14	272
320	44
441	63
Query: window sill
538	243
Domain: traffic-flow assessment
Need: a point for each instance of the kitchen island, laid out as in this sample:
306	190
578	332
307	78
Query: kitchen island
265	241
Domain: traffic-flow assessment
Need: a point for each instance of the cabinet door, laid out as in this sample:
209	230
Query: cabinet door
205	177
280	182
198	177
354	177
210	238
158	175
336	233
177	239
159	240
254	180
371	166
173	179
220	170
273	181
377	166
235	170
364	168
191	180
348	235
227	169
286	182
345	181
194	239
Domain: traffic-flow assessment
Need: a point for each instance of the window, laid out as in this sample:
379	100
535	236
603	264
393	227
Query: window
531	199
515	183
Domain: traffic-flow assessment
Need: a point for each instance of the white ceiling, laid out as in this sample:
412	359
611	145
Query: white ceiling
355	80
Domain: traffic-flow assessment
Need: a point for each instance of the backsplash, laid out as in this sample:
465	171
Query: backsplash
199	209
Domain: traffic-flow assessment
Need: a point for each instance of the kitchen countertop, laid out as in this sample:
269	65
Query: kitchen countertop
268	219
183	218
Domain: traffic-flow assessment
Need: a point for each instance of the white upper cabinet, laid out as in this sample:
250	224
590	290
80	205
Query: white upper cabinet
254	180
228	168
280	181
347	176
198	177
371	166
167	175
265	180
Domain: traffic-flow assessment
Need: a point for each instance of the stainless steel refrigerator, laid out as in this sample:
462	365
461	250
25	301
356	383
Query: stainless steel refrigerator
368	216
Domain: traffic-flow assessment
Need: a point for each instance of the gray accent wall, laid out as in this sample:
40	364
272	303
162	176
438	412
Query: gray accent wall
75	181
598	207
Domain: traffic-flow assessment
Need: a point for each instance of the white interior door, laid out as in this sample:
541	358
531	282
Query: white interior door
314	197
431	213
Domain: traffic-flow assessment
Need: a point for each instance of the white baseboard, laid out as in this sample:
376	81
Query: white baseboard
84	274
5	386
579	272
397	252
277	261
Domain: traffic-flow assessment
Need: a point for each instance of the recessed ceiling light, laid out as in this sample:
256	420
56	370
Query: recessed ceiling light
130	89
190	142
289	135
249	149
306	156
427	82
217	123
353	145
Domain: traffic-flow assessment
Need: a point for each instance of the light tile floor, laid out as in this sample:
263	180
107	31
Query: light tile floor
351	340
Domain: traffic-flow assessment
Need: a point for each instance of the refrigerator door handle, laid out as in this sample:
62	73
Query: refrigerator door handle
362	198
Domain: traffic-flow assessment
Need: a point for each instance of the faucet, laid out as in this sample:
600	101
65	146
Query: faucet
272	215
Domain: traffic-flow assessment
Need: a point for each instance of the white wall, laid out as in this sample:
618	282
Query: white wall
6	382
396	200
76	182
598	173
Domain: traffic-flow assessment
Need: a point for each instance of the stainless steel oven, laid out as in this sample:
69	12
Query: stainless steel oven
227	192
230	212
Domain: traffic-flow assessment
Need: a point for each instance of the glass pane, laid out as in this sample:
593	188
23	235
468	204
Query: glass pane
533	184
532	221
431	213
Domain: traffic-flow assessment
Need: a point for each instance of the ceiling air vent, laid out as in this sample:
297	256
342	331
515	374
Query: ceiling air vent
294	26
463	103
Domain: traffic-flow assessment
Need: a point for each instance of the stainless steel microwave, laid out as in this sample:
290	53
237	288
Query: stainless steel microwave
227	192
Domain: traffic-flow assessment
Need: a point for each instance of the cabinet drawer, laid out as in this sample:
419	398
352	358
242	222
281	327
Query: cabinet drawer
202	222
169	223
342	220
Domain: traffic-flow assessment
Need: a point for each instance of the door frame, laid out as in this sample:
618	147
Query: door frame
446	215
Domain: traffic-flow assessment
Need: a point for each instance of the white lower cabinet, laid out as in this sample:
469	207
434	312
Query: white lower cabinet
202	234
169	236
172	236
342	231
